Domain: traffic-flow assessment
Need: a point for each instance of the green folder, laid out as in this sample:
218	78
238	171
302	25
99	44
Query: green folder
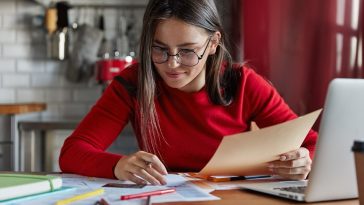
13	186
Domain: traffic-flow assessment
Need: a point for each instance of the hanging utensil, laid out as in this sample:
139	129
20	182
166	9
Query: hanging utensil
59	40
122	41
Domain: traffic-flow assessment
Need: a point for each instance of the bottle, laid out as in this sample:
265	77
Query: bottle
59	40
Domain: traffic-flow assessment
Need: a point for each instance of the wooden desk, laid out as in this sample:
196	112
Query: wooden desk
234	197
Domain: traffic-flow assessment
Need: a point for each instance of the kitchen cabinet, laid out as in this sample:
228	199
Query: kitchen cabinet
40	144
9	140
33	141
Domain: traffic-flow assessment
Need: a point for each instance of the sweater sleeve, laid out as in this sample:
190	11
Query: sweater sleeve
84	151
268	107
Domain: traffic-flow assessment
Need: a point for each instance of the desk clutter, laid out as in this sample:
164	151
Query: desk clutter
62	189
79	190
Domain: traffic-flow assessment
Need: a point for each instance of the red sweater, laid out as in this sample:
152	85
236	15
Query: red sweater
192	126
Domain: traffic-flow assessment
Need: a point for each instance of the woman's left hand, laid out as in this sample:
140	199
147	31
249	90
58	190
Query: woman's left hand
292	165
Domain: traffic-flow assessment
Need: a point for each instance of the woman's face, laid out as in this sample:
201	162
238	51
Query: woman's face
175	36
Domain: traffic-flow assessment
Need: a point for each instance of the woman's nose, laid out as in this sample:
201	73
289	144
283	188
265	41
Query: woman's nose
173	61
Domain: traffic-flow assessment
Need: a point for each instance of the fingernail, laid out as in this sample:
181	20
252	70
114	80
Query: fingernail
164	181
282	158
270	166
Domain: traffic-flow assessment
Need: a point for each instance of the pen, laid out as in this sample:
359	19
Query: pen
149	201
95	192
224	178
236	178
256	176
145	194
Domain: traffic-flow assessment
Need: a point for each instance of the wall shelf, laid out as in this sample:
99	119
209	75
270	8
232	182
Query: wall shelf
133	4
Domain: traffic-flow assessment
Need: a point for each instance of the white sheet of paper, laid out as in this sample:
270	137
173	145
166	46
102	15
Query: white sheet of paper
247	153
74	180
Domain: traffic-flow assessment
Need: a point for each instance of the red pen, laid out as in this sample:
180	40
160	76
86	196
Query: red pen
145	194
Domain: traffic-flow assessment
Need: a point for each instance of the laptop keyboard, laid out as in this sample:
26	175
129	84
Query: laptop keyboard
295	189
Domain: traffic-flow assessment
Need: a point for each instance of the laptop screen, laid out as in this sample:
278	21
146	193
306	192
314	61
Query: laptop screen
333	170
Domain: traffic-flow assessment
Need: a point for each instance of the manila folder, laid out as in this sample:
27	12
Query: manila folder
247	153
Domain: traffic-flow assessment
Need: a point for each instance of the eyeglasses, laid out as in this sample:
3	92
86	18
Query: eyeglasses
186	57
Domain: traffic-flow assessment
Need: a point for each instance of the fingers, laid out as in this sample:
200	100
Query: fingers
131	177
154	161
294	165
293	173
148	171
291	163
296	154
160	179
146	174
141	167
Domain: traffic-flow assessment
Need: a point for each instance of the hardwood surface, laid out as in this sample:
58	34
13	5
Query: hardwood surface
19	108
234	197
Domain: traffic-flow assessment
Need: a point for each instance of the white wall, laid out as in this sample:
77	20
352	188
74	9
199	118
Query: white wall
27	75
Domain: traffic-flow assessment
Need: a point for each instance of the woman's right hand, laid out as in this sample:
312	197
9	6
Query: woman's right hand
140	168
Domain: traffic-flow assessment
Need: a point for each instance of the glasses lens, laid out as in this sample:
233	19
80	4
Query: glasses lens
159	55
188	58
184	57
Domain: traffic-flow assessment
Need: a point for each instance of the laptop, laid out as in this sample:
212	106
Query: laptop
333	170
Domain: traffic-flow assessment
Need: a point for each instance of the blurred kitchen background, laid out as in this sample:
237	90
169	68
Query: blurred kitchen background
56	57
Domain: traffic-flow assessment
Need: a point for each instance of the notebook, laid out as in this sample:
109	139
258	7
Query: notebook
333	169
14	186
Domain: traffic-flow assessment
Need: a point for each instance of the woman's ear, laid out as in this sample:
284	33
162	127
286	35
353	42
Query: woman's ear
215	41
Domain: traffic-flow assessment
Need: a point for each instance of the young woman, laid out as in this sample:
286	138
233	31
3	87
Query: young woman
182	98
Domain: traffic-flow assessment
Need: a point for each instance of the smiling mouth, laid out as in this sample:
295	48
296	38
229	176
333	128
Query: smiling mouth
174	75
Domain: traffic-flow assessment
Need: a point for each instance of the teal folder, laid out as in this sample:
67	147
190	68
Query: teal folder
15	186
36	196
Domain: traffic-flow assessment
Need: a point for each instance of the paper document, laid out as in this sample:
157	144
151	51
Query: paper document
185	191
247	153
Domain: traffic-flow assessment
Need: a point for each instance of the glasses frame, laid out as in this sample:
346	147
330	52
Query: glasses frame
199	57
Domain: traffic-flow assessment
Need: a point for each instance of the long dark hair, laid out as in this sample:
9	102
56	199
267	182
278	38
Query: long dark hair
220	85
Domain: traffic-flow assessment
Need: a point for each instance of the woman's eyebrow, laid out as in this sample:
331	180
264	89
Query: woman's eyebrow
179	45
